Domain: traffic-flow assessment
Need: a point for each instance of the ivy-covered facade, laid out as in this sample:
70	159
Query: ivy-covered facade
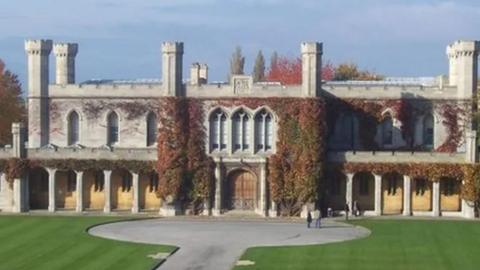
180	146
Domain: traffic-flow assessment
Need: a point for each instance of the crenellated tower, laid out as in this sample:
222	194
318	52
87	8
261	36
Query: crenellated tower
172	58
311	68
38	52
65	54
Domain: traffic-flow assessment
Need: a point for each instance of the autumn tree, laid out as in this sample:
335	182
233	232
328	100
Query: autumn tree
259	68
12	108
237	62
350	71
288	71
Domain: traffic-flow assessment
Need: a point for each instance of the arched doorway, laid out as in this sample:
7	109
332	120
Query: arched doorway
242	190
392	193
364	191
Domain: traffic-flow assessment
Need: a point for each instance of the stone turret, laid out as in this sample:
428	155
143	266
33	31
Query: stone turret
172	57
452	65
467	68
38	52
311	68
198	74
65	59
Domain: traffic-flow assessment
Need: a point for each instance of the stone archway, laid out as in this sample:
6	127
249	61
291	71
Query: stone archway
242	190
38	188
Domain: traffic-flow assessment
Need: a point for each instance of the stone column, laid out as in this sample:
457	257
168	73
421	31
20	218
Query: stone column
79	191
436	198
218	189
378	195
51	189
17	196
263	188
349	191
136	193
311	68
407	191
273	212
108	191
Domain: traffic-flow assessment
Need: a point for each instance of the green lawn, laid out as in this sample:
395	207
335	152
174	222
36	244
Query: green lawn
50	243
393	244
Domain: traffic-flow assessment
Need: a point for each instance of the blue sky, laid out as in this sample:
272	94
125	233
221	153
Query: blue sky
121	38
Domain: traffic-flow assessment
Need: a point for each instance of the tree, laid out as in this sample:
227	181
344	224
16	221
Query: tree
12	108
237	62
259	68
288	71
350	71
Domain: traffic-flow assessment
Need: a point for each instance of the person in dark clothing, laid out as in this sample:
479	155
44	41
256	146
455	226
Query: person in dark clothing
309	219
347	209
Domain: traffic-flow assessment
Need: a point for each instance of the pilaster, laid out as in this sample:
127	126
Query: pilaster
108	191
79	192
217	210
51	189
407	195
436	198
136	193
378	195
349	191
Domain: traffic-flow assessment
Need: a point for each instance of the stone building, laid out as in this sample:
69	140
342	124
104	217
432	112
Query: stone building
117	120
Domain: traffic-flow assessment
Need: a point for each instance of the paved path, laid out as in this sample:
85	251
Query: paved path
218	244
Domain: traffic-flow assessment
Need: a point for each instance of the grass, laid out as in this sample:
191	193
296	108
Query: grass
51	243
393	244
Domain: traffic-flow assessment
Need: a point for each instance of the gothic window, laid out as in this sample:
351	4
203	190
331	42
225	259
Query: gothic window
428	132
112	126
241	131
126	182
263	131
218	130
151	129
73	128
99	183
387	131
71	181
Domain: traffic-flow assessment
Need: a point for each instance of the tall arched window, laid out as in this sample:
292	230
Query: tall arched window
387	131
73	128
428	133
263	131
151	129
241	130
218	130
112	129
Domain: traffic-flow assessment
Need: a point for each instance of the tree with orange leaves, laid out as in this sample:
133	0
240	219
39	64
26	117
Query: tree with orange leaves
12	108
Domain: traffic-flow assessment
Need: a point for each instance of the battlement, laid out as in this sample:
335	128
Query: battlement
172	47
466	46
38	45
65	49
311	47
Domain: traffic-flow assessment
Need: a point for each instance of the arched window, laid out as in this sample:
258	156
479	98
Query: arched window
73	128
112	129
263	131
218	130
151	129
428	132
240	130
387	131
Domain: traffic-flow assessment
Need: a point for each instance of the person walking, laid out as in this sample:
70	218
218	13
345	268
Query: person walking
309	219
318	218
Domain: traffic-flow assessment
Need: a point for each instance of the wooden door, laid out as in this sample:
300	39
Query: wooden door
242	191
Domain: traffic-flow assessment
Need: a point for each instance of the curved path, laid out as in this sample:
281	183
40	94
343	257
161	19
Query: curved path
218	244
